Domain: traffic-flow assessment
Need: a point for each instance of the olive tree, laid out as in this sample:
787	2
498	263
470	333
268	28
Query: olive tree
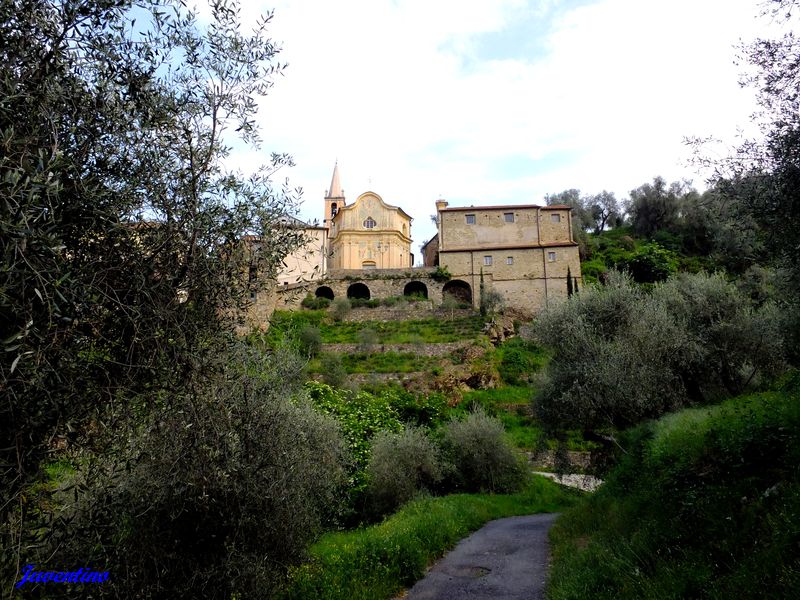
127	245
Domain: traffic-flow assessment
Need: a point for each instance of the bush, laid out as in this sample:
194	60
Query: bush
482	459
334	373
621	356
367	340
312	303
219	492
310	340
401	465
340	308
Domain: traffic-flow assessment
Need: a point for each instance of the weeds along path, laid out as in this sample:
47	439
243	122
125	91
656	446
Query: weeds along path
504	560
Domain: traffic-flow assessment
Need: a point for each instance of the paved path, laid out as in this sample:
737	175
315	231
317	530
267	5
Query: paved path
505	560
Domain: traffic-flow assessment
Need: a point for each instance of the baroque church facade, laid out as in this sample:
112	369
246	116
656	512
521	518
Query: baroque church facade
367	234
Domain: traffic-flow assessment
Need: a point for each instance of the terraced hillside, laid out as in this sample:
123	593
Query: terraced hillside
443	356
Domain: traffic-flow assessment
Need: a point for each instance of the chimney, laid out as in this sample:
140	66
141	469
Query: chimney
441	204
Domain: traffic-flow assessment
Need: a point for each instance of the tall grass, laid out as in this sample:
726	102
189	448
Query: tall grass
705	504
377	562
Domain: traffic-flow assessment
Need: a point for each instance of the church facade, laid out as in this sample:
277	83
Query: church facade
367	234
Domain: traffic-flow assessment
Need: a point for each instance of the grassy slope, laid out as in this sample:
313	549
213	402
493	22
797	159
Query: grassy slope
706	504
377	562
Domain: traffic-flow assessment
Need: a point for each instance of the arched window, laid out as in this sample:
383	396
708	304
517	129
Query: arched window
334	209
369	223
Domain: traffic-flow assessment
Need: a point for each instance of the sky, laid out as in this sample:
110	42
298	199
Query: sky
486	102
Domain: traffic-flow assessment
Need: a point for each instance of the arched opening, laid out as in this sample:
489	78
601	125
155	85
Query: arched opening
334	209
415	288
324	291
358	291
458	289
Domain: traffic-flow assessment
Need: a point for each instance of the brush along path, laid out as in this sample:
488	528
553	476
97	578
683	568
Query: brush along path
504	560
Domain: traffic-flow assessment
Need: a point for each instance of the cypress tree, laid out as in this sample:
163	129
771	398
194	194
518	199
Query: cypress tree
569	283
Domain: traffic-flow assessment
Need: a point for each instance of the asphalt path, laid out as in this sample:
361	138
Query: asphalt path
505	560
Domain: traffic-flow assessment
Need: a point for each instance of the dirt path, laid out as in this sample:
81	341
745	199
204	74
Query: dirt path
504	560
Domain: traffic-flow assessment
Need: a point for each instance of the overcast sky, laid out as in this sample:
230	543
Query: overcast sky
499	101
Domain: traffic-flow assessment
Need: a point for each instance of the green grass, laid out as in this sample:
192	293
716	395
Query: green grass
705	504
377	562
380	362
428	331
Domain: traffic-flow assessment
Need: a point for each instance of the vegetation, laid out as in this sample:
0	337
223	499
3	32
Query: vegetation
483	460
127	251
377	562
702	504
430	330
621	355
401	466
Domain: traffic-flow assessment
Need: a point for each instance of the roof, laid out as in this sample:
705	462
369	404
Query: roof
435	237
505	207
335	191
381	200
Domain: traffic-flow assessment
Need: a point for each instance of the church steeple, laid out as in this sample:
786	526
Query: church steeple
334	198
335	191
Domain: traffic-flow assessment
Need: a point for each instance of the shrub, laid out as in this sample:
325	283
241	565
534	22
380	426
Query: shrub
622	356
219	492
312	303
481	457
441	274
310	339
401	465
367	340
340	308
334	373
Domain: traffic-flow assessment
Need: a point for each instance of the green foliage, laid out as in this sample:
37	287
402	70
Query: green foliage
705	503
651	263
361	416
310	340
441	274
519	360
373	362
315	303
401	466
127	245
340	308
376	562
621	356
237	477
365	302
482	458
367	340
333	371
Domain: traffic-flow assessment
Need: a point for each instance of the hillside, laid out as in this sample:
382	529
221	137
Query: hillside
705	503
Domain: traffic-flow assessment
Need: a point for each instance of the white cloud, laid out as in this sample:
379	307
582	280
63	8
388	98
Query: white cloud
398	91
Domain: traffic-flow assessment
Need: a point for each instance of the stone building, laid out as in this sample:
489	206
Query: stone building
368	234
523	251
363	250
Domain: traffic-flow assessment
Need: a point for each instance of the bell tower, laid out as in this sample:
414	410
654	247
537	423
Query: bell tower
334	200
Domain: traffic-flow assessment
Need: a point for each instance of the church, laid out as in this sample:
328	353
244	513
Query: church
367	234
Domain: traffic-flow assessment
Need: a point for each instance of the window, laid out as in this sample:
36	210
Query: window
487	261
555	218
551	256
368	264
470	219
508	217
370	223
253	296
510	260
